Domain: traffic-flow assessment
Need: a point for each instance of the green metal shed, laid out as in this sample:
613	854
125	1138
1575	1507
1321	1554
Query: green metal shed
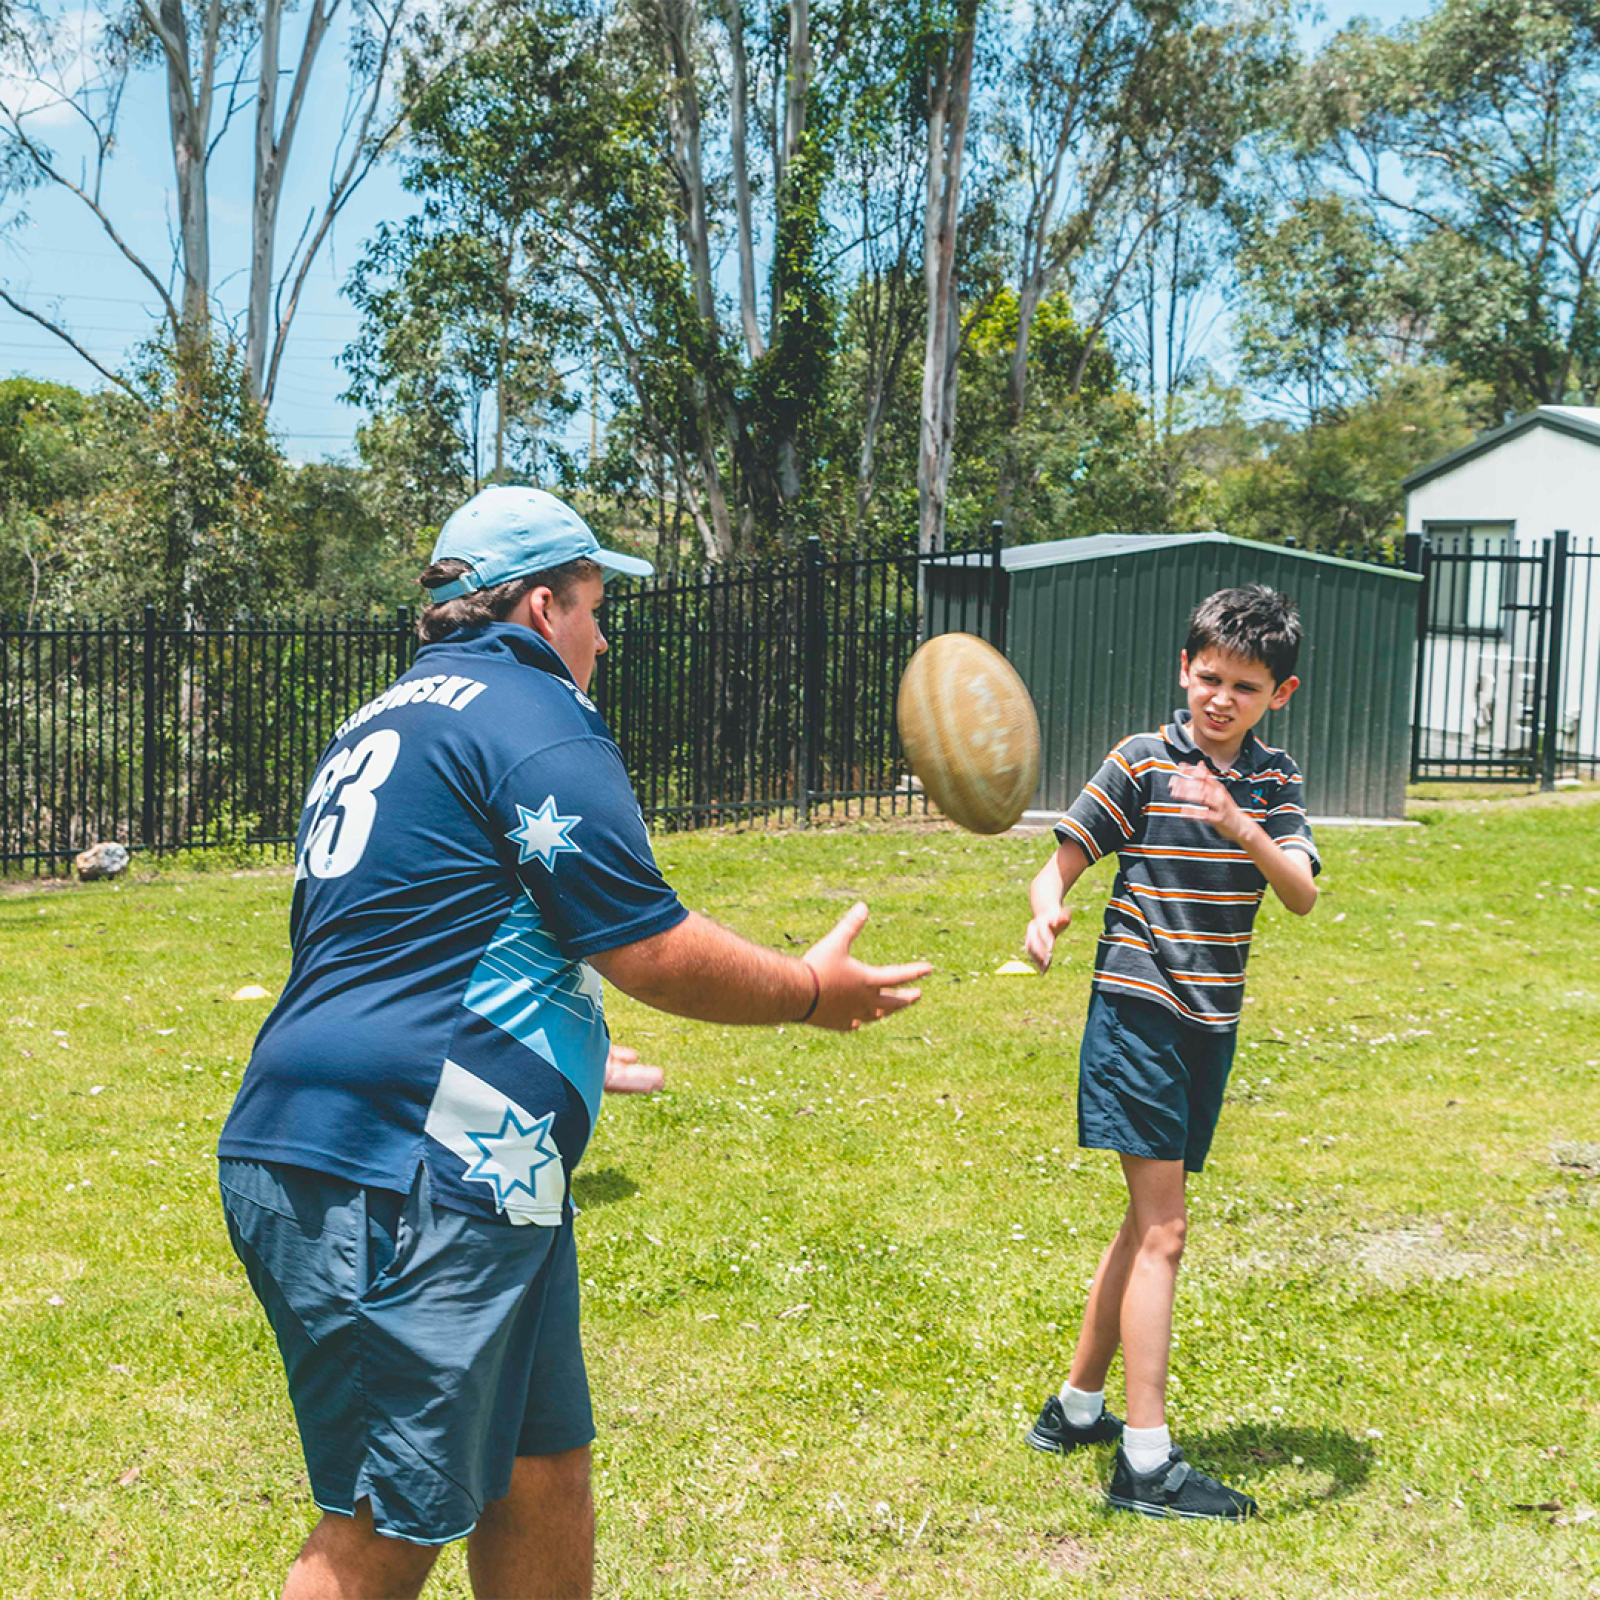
1094	625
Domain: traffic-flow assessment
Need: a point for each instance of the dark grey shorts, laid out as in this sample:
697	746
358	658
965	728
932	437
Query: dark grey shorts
425	1349
1150	1084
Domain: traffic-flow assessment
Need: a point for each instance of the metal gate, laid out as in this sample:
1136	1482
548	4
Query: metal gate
1508	658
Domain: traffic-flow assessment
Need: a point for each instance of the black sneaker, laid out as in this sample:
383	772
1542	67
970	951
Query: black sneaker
1175	1490
1053	1432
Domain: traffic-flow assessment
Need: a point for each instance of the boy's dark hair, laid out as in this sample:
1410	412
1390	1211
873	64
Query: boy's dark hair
495	603
1255	622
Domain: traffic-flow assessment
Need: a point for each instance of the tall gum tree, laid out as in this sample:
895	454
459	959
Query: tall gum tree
215	59
1472	135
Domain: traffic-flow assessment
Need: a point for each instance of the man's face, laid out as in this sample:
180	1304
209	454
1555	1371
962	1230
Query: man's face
574	628
1228	696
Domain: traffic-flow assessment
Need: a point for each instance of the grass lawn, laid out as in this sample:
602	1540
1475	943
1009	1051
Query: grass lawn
829	1281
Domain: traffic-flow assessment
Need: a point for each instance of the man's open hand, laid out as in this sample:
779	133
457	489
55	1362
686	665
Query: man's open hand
850	991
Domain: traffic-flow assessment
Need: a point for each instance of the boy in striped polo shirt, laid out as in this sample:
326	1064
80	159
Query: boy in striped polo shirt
1204	818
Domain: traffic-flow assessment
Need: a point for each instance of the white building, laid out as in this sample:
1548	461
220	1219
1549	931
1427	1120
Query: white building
1487	510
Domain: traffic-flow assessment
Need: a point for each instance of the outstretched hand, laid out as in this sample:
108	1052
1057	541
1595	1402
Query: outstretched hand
1039	942
850	991
627	1074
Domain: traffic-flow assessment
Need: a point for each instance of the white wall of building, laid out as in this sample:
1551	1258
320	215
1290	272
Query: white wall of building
1529	486
1540	480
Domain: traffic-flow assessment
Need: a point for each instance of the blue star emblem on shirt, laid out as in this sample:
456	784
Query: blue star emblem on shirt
514	1149
544	833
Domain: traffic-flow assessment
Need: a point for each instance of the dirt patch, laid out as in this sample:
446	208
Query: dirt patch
1411	1251
1064	1555
1579	1157
1513	797
1403	1255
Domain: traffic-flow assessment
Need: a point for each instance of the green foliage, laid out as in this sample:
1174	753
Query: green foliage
1339	482
52	453
789	384
1474	133
1312	314
462	322
1083	441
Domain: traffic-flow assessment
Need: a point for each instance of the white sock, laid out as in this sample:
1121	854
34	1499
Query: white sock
1146	1448
1081	1407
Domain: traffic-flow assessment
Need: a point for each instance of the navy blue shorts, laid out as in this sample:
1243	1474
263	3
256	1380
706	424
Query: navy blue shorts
425	1349
1150	1084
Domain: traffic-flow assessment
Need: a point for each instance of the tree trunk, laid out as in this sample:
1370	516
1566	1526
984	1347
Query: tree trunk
739	121
272	160
796	99
189	121
683	115
949	100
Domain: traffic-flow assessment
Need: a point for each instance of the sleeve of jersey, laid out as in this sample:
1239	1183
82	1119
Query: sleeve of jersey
1109	812
1285	820
568	819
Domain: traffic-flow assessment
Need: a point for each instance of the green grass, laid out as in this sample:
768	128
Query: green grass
830	1280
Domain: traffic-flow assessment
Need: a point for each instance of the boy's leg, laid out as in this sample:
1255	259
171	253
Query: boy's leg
1159	1222
1101	1331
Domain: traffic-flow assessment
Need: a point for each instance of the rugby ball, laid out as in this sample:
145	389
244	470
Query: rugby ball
970	732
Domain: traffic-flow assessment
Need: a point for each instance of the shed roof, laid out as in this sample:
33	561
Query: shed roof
1099	546
1579	422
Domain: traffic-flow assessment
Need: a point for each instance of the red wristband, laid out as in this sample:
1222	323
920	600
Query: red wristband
816	991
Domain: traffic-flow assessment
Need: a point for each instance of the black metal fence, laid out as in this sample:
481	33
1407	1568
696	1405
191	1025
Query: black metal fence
1507	683
761	691
171	734
739	693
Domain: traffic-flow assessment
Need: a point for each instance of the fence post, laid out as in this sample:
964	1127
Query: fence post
1417	561
997	587
147	820
812	637
1550	733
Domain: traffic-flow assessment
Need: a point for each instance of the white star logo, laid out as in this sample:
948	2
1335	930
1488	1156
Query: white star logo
515	1149
544	833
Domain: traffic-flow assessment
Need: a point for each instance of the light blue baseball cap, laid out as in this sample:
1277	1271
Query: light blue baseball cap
508	530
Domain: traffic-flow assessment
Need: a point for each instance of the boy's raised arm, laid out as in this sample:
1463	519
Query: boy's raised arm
1050	917
1288	871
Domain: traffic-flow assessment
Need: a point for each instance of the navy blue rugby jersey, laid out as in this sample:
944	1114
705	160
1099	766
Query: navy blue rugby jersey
469	838
1183	906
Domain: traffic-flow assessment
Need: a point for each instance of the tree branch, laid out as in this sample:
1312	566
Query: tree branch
66	338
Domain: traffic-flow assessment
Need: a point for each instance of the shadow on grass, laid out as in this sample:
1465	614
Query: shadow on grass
601	1187
1244	1454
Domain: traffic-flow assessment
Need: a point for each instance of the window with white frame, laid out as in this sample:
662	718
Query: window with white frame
1472	576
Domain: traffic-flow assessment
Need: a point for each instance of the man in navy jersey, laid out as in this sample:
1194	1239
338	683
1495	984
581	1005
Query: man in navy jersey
396	1169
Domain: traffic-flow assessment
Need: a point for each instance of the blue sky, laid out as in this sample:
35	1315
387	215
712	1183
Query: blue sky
63	264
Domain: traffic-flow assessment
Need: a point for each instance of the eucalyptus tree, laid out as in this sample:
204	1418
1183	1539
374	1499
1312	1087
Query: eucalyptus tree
1124	121
1472	137
949	49
464	318
71	71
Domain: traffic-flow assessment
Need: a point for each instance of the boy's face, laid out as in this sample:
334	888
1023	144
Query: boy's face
1228	696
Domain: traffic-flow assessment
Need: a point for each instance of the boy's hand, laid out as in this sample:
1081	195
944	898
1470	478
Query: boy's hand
1198	785
627	1074
1040	940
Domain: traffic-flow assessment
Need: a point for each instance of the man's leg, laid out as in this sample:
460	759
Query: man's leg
346	1558
1159	1221
538	1542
